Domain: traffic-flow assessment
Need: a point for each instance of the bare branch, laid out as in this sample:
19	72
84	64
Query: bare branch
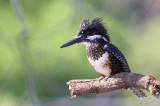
118	81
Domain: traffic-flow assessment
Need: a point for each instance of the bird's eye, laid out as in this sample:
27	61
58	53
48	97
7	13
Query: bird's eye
82	32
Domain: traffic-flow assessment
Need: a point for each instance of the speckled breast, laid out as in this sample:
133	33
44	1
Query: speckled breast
100	60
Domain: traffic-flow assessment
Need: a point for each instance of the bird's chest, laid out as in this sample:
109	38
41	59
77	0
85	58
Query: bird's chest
100	61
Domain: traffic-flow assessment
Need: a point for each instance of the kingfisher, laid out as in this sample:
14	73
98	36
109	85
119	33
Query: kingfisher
106	58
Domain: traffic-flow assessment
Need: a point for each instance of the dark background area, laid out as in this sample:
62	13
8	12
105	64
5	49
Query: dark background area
34	70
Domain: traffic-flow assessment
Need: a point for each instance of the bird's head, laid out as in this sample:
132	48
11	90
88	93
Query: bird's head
89	31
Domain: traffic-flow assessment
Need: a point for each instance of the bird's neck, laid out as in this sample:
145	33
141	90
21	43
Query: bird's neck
95	50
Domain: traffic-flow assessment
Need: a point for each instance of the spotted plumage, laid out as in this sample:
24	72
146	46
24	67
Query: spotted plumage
95	51
106	58
113	62
119	63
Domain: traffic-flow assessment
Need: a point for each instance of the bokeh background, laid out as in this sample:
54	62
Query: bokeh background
34	70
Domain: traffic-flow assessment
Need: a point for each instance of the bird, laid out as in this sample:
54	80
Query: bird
106	58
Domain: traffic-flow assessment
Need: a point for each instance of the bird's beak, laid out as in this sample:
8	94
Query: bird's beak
72	41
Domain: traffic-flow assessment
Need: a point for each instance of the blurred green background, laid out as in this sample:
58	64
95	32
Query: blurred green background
34	70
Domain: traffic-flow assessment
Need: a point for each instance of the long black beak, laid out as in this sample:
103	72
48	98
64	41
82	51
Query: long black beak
74	40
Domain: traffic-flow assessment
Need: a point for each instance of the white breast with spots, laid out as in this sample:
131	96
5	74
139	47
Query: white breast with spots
99	65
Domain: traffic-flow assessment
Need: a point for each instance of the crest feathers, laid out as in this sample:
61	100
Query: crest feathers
95	24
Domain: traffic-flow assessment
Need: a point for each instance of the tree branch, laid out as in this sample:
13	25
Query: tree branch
118	81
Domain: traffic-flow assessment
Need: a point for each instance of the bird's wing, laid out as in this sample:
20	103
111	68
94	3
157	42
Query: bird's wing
119	64
118	61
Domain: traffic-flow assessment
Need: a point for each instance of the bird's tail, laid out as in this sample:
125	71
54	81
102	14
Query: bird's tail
139	93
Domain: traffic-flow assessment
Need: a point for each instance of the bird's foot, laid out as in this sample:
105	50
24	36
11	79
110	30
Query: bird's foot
105	78
100	78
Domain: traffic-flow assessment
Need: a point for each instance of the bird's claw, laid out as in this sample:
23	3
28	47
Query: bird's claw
105	78
100	78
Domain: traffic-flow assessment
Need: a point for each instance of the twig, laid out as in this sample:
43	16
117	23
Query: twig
118	81
23	48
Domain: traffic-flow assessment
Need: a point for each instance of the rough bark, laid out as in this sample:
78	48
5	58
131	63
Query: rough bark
122	80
